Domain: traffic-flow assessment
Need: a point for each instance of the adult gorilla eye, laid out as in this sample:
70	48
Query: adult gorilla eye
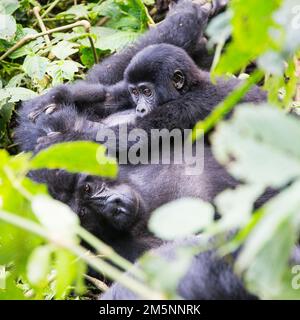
147	92
178	79
87	188
82	212
134	91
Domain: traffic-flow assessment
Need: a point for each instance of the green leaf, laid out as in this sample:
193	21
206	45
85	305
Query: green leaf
8	26
35	66
16	81
38	265
272	62
11	292
87	56
125	15
29	48
285	208
62	69
64	49
60	221
249	38
235	206
288	17
165	273
219	28
259	145
77	11
181	218
65	265
8	6
16	94
79	156
266	252
111	39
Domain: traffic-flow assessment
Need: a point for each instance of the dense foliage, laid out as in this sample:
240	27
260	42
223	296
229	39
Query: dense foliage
41	258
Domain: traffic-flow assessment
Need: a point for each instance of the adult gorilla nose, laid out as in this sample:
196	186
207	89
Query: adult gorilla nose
119	202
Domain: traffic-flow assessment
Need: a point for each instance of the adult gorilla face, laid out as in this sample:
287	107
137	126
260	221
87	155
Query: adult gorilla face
99	202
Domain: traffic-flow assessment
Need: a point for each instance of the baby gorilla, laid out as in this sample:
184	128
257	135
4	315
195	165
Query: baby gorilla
159	74
163	73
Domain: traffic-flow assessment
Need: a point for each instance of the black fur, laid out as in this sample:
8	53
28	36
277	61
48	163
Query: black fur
183	110
209	277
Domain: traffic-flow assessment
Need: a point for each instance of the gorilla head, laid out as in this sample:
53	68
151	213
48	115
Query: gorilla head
107	202
100	203
159	74
112	210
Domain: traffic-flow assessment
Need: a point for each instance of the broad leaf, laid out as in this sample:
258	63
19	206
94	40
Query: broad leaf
8	26
181	218
35	66
78	156
260	145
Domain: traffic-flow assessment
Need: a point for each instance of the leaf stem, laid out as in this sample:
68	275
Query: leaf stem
105	250
36	12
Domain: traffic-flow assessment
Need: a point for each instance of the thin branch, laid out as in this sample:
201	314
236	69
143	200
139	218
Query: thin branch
97	283
36	12
105	250
30	37
102	21
50	8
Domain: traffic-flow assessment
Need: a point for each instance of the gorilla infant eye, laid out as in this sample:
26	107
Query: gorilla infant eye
134	91
147	92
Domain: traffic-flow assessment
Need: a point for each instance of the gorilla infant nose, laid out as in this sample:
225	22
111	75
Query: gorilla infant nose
141	111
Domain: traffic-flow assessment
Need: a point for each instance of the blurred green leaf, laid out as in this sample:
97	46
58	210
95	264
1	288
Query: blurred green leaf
236	205
66	266
8	26
187	216
8	6
38	265
249	38
259	145
78	11
78	156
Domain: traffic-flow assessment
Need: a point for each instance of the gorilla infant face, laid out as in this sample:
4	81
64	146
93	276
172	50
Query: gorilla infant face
100	202
157	75
144	96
